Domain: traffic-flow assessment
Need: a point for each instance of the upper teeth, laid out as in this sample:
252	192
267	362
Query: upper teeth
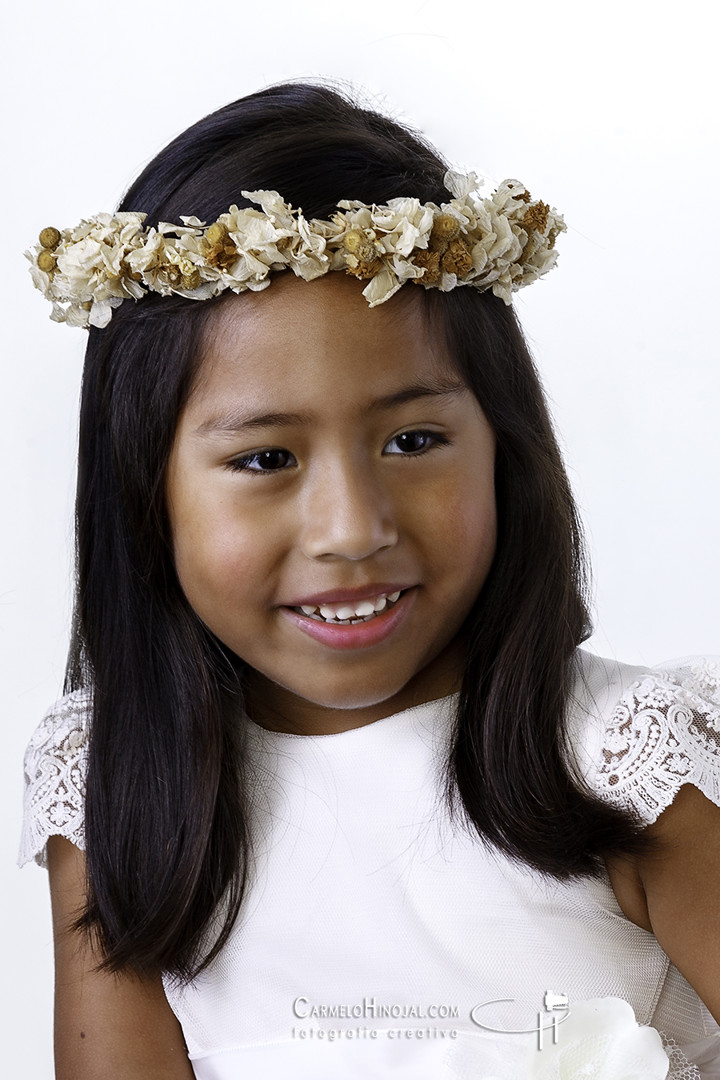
363	609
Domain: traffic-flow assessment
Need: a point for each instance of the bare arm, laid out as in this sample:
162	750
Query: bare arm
676	892
107	1027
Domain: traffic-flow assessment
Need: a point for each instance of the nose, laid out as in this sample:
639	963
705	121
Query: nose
347	514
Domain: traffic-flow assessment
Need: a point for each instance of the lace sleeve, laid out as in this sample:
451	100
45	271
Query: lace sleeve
55	763
664	732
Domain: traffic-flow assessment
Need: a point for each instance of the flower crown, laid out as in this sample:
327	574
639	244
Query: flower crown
502	243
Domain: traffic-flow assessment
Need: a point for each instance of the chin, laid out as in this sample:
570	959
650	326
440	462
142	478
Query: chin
322	710
347	697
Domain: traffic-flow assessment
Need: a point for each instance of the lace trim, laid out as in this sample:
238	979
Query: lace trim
680	1067
55	763
665	732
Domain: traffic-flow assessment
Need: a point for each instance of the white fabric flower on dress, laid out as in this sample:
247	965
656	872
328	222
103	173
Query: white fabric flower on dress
599	1040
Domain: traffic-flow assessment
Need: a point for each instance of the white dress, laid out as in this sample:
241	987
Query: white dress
377	928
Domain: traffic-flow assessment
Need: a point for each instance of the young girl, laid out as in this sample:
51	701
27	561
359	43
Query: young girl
333	791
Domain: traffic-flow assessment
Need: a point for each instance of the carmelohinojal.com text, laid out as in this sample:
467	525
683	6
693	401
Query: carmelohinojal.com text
370	1009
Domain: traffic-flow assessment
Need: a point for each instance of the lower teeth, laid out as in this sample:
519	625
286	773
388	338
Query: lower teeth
345	622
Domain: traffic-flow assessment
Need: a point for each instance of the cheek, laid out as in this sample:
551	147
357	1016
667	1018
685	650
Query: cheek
474	539
468	526
217	562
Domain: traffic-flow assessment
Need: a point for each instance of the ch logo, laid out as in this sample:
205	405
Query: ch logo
553	1004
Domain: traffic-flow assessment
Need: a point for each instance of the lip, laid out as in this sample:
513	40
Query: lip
360	635
339	596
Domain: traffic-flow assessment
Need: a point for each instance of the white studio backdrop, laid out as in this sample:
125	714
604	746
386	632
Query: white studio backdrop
606	111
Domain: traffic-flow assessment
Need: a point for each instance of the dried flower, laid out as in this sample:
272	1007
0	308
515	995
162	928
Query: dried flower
502	243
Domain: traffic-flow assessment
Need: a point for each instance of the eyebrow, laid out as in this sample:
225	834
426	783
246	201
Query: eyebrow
239	420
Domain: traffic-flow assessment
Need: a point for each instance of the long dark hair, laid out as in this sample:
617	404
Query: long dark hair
166	821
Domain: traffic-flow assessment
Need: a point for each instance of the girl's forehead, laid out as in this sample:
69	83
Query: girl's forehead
300	339
330	306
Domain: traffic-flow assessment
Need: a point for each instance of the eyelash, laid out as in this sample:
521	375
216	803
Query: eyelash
244	463
436	440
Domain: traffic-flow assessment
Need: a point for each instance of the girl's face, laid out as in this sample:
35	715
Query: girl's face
331	498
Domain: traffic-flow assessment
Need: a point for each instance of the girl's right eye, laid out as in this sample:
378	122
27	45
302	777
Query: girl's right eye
262	461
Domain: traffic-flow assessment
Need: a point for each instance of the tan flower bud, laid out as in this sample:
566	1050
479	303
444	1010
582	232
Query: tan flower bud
430	263
353	241
191	280
446	227
361	247
46	262
49	238
457	259
216	233
364	268
536	216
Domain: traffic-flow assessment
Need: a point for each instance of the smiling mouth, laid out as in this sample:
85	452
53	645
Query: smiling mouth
350	614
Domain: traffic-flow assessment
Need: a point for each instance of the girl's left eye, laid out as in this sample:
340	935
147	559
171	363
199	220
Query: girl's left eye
262	461
415	442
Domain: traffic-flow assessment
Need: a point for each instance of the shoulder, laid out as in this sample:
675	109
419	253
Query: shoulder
637	735
55	762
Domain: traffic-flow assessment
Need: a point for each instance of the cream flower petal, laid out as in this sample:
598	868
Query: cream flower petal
460	184
381	287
